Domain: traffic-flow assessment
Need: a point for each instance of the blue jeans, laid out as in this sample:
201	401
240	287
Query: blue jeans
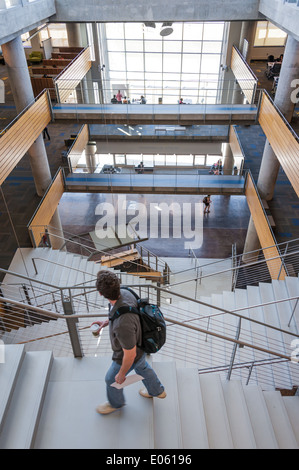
152	383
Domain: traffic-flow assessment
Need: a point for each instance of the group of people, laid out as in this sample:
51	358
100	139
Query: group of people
216	168
120	99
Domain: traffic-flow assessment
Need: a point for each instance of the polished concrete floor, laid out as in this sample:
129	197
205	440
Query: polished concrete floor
225	224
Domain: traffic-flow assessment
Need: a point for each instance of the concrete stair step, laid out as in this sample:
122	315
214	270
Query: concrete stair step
218	427
167	424
238	415
9	370
260	419
280	420
194	431
23	414
292	406
75	389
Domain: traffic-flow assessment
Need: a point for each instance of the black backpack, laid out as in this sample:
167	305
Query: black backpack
152	323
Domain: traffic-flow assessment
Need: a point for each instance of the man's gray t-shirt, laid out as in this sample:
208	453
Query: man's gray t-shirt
125	331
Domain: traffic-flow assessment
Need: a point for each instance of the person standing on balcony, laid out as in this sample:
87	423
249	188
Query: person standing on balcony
119	97
125	336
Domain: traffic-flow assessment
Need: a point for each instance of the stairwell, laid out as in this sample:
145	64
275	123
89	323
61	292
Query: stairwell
201	410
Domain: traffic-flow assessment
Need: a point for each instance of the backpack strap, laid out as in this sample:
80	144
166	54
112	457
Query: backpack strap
132	292
122	310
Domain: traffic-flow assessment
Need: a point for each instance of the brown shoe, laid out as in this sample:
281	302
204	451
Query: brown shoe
106	408
144	393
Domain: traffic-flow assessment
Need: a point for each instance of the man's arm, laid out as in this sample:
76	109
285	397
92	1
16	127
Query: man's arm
128	359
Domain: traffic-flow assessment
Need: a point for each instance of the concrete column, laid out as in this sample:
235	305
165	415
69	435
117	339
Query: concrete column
238	96
96	68
268	173
74	34
55	231
252	244
90	154
19	78
228	159
289	72
247	32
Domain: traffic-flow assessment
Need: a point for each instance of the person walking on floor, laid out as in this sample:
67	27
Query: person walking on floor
207	202
45	131
125	336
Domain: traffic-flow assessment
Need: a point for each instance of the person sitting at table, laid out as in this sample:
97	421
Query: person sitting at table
181	101
125	101
140	168
279	59
142	100
114	100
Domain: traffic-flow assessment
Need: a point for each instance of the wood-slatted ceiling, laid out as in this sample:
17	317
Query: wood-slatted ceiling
263	231
68	80
15	142
244	75
284	143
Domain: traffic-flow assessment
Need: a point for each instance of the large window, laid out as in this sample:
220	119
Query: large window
186	63
58	34
269	35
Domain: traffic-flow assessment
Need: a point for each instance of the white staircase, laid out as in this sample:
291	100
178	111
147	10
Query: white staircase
49	403
188	347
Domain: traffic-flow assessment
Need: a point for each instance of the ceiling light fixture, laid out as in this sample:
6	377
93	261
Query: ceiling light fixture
166	29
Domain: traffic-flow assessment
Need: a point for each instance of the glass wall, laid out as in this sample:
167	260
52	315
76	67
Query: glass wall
163	69
267	34
152	160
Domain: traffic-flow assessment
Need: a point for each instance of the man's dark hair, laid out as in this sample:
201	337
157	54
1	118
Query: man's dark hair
108	285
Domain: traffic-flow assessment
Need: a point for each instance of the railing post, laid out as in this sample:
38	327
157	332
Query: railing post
234	352
72	325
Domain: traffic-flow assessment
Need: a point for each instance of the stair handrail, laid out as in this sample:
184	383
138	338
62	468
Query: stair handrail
114	255
165	290
278	245
75	317
252	263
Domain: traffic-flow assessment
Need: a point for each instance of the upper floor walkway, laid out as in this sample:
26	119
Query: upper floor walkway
157	114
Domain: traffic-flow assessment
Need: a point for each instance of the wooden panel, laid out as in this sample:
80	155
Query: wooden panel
72	76
57	62
46	209
15	142
246	79
234	143
39	84
64	55
78	146
46	70
263	230
283	142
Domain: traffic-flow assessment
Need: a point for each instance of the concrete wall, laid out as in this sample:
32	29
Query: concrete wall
23	18
156	10
283	15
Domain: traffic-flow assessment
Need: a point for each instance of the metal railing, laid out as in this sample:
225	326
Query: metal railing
211	338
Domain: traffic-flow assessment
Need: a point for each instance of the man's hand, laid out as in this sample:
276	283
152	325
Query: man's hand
127	362
101	324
